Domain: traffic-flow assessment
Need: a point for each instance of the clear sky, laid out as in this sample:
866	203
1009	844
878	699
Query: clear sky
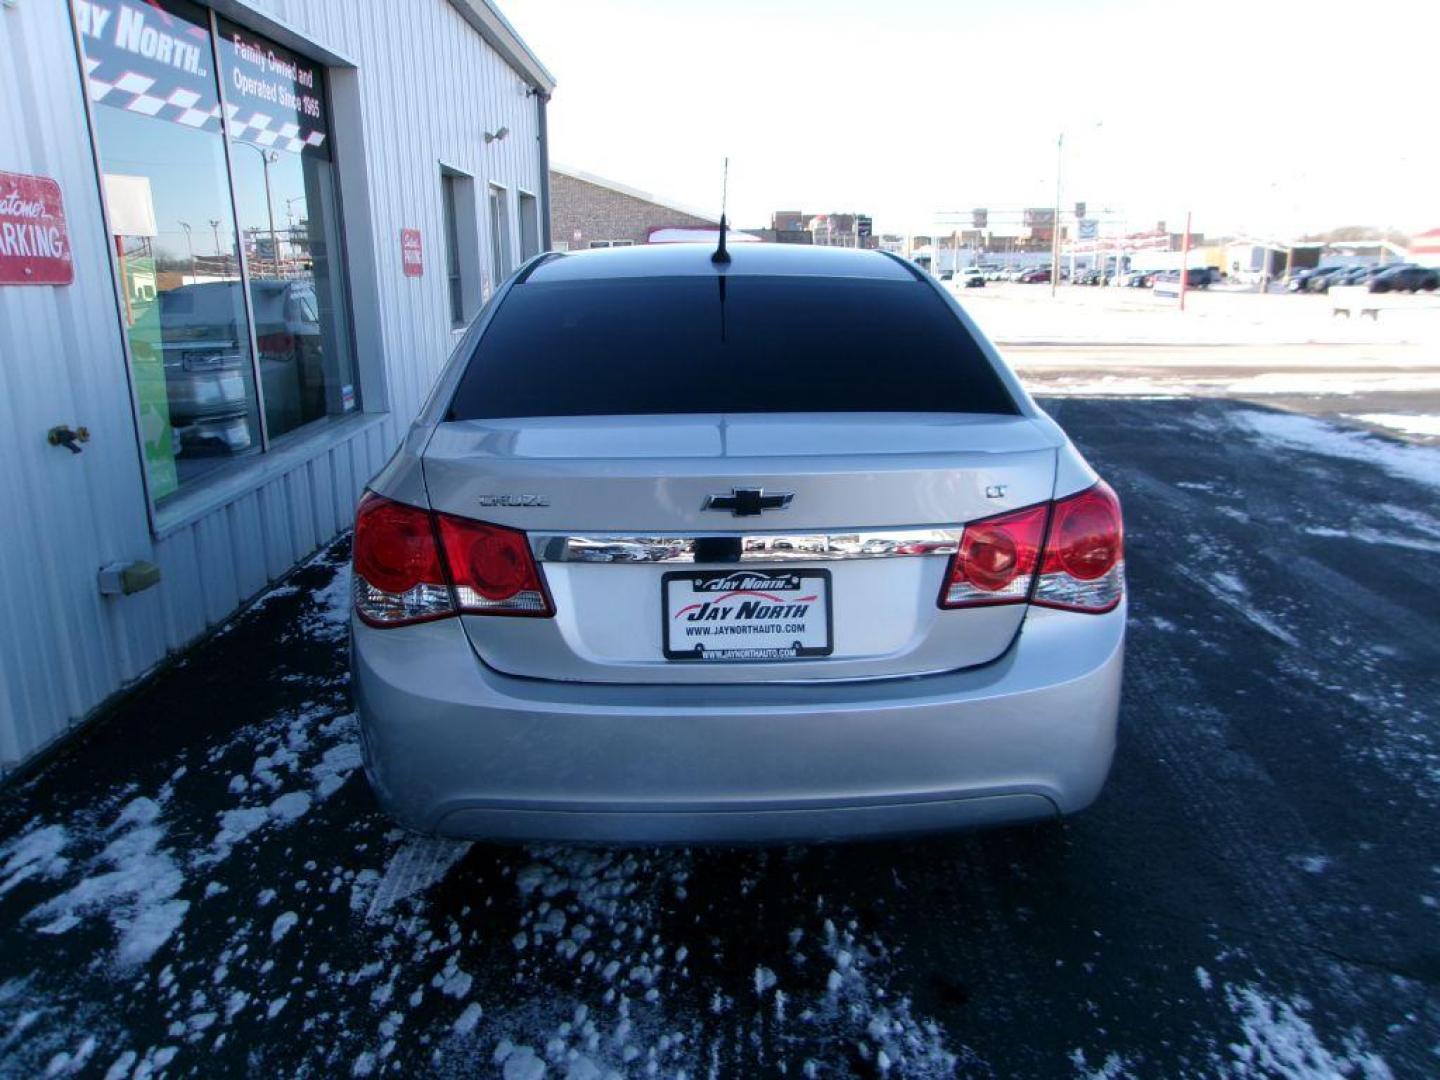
1264	116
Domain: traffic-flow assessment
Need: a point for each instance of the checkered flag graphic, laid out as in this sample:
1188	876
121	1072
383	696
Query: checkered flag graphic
138	93
270	131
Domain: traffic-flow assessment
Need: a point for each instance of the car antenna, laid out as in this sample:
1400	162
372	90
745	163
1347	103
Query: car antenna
721	255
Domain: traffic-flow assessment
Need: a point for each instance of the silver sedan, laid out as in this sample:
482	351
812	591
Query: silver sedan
773	549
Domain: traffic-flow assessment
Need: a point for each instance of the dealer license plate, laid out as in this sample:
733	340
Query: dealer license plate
746	614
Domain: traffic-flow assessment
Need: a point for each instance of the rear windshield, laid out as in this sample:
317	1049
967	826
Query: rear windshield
700	344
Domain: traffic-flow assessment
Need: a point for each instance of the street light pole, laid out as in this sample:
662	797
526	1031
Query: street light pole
1055	225
190	246
267	158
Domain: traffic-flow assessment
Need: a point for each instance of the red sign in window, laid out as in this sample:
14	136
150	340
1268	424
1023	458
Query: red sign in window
410	253
34	244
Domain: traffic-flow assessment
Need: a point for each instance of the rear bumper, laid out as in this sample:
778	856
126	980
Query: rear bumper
456	749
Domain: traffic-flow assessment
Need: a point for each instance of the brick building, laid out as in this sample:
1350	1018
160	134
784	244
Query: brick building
588	211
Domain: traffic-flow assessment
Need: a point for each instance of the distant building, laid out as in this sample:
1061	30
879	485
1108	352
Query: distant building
786	227
588	211
1425	248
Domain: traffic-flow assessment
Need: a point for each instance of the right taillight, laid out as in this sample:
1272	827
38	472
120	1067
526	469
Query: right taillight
1084	564
413	566
1077	563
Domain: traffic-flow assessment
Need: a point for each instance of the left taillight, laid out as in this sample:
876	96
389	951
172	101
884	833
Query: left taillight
492	569
413	566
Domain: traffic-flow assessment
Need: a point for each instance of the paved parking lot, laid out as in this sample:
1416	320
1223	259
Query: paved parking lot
202	885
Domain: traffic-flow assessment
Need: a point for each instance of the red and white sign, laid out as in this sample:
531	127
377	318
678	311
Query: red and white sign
410	253
34	243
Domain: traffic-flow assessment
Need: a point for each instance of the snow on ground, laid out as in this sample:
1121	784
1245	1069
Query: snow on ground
1287	431
1406	423
1122	380
1277	1040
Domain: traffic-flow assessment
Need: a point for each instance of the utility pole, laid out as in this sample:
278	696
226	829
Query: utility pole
1185	261
1055	225
190	245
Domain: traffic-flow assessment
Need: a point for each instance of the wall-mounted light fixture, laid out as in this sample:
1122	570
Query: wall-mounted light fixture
496	135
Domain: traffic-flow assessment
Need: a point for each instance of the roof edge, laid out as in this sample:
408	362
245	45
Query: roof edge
487	21
634	193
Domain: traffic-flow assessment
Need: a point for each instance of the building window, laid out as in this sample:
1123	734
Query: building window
599	243
285	194
452	251
529	225
501	259
622	243
462	251
217	370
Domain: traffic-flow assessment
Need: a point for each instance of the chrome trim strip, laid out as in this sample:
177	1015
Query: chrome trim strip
754	547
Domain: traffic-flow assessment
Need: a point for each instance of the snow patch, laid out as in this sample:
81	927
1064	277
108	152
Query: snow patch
34	855
133	881
418	863
1407	423
1419	464
1280	1041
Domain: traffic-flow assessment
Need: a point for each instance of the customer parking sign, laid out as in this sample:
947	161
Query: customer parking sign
34	243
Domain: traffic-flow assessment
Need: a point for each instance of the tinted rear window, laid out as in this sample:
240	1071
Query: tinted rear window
768	344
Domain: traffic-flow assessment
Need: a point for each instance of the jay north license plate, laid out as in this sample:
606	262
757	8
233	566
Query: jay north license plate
746	614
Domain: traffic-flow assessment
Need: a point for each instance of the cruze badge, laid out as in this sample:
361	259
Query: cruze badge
512	500
749	502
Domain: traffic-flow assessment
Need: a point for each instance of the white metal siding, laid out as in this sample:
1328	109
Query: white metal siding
429	87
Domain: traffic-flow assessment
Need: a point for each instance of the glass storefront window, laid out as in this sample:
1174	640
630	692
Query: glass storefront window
151	77
290	226
157	121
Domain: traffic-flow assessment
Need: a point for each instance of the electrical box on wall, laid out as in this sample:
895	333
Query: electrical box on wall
124	578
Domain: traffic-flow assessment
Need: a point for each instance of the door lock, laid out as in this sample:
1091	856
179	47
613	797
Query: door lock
64	435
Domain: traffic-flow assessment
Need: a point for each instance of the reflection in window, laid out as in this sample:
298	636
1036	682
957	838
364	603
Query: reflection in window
500	257
290	226
529	225
452	250
150	73
158	127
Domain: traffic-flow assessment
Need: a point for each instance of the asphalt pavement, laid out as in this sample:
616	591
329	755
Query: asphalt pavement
202	885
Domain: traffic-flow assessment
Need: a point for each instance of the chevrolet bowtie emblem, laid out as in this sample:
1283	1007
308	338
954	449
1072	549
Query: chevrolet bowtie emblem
749	502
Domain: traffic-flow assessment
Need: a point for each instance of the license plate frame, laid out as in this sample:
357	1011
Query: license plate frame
766	589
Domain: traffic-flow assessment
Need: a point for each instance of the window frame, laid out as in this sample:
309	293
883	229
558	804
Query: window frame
528	200
217	487
499	195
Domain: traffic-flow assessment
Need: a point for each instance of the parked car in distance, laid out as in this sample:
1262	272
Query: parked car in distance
1354	275
813	566
1297	282
1407	277
1197	277
972	277
1319	282
1038	276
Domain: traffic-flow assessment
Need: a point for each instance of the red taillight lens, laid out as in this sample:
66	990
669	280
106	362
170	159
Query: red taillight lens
492	569
397	574
412	566
996	560
1084	565
1081	567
